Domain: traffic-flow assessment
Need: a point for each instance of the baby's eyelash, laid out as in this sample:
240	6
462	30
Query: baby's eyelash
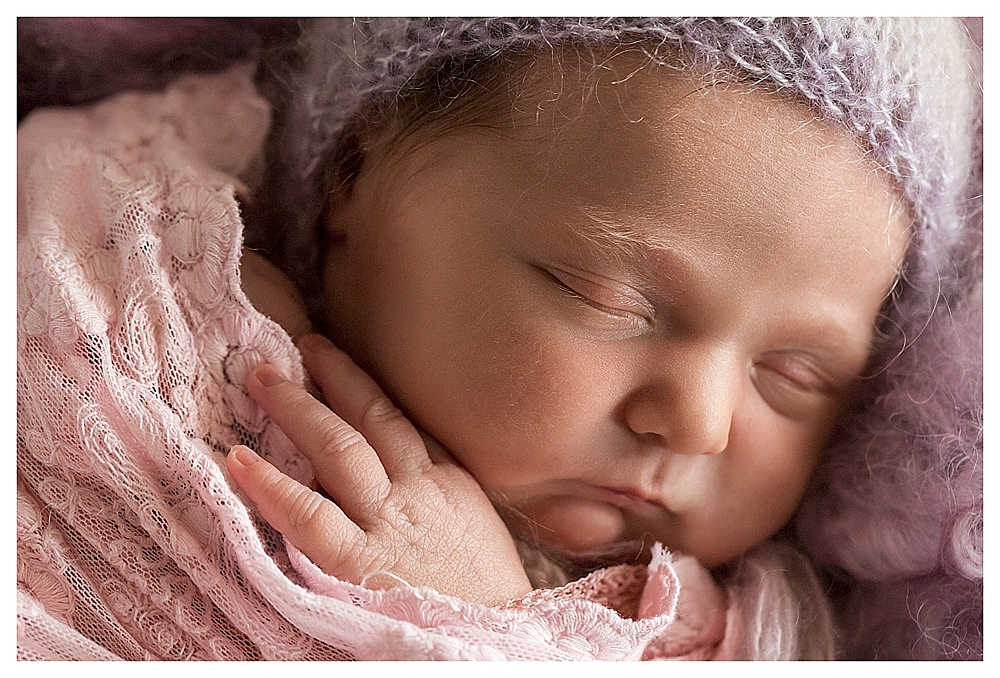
796	373
790	385
603	297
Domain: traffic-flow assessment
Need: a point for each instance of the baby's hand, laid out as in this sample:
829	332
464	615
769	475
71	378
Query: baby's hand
397	510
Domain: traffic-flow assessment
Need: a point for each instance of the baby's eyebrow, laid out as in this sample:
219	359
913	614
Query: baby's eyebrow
608	235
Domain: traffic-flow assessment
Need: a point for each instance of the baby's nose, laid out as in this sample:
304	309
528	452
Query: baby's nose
687	406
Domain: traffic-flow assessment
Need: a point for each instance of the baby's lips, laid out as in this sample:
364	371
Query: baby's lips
630	500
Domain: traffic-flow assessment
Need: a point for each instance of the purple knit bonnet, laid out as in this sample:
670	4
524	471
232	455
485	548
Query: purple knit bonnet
897	502
905	88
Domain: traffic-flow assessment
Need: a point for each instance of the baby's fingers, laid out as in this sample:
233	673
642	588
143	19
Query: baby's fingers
315	525
345	464
355	396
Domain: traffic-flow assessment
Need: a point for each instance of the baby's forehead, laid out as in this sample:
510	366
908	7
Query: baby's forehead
658	102
628	83
630	105
663	154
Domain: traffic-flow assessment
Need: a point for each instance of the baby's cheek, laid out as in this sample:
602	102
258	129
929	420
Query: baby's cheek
773	474
516	393
511	388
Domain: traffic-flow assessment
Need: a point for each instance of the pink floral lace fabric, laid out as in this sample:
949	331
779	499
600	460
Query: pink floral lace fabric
134	340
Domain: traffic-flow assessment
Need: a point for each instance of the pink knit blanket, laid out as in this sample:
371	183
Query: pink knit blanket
134	339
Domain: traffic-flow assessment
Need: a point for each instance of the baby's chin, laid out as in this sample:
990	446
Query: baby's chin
577	534
576	529
578	525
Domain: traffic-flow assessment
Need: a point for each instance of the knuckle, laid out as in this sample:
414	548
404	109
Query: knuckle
379	411
338	438
305	511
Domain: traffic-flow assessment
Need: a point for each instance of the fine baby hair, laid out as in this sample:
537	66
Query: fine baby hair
135	542
896	506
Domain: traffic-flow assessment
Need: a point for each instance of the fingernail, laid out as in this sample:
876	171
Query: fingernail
245	455
314	342
269	375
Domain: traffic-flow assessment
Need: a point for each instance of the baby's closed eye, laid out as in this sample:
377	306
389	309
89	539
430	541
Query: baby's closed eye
607	296
793	383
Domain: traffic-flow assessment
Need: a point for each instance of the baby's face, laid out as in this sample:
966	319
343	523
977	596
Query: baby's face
637	312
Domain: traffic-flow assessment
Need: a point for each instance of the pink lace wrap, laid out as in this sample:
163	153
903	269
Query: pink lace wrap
134	339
